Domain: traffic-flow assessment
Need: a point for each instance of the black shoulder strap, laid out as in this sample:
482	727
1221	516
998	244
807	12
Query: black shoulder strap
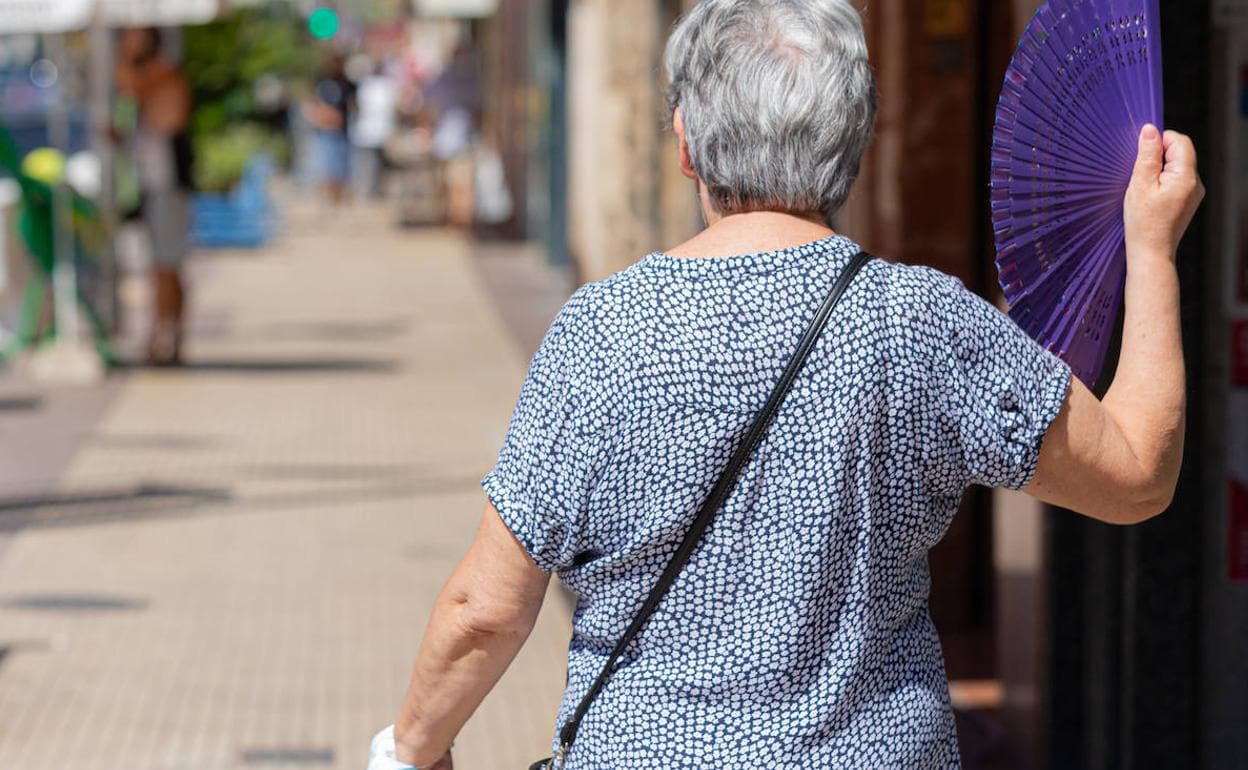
719	493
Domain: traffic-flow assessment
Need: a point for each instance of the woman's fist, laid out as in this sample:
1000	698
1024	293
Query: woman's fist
1163	196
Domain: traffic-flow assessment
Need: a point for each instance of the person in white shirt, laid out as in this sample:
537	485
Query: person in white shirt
376	120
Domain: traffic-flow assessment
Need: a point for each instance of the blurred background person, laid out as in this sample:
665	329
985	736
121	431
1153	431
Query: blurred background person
330	112
377	99
162	152
455	96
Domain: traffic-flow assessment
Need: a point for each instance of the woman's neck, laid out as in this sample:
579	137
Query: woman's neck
752	232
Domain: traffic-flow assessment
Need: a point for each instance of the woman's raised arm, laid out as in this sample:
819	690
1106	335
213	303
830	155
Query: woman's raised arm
1118	460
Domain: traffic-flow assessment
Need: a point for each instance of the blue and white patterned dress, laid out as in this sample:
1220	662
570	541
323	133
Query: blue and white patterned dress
798	636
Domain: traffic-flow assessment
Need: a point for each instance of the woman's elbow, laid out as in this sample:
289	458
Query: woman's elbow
1159	488
482	617
1146	502
1156	503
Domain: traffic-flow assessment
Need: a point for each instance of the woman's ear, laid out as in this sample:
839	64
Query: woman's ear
686	162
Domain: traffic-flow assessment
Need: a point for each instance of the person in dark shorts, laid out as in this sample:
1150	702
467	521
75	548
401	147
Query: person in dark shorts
330	112
162	152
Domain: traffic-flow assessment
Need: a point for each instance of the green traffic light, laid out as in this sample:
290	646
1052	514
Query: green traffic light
323	23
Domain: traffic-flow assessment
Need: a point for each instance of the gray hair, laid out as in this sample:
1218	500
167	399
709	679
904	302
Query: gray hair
778	101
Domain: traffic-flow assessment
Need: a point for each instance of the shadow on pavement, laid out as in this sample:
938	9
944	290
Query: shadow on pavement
286	366
398	474
72	602
20	403
345	331
91	506
287	756
157	501
153	441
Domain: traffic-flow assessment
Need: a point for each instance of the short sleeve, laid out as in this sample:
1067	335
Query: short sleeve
997	390
544	474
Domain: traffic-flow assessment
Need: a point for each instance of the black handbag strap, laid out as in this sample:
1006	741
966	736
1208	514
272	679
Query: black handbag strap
719	493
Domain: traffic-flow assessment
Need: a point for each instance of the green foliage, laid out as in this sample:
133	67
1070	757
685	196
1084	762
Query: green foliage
223	60
220	158
232	53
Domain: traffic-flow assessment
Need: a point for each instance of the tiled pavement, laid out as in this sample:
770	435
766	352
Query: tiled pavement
234	567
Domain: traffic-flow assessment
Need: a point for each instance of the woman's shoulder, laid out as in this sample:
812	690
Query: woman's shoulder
906	283
608	297
931	298
897	281
591	311
934	315
929	314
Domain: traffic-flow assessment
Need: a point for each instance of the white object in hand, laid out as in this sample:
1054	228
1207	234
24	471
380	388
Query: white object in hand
381	752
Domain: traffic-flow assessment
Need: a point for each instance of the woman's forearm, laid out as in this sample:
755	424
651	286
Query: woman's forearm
479	622
1118	459
460	660
1148	397
1147	401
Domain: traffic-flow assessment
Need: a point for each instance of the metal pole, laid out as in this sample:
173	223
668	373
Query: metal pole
100	88
64	272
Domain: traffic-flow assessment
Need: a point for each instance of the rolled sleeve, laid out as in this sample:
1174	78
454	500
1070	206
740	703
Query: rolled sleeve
542	534
543	478
999	389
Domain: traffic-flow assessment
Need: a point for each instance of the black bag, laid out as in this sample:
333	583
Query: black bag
714	500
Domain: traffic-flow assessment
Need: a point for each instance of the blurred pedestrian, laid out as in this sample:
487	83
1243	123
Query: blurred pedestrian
163	158
330	111
456	98
377	100
798	633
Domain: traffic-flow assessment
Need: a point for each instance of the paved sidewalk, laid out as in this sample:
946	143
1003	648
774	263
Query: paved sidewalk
234	569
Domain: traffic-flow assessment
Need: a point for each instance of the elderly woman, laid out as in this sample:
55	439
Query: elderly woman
797	636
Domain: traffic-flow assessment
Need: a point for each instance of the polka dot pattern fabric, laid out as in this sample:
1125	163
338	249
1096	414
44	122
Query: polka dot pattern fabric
798	635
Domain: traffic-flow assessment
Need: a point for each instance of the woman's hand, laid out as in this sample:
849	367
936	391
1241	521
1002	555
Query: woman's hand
445	763
405	755
1164	194
386	754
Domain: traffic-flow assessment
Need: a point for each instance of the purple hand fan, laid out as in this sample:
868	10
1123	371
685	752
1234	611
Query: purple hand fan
1084	81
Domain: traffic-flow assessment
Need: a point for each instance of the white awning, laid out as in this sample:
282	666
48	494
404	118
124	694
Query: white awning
158	13
458	9
27	16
